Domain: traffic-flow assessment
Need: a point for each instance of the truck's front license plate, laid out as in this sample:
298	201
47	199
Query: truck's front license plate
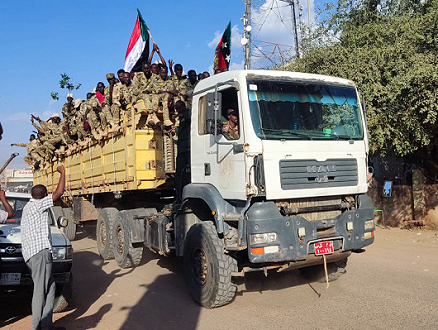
10	279
324	248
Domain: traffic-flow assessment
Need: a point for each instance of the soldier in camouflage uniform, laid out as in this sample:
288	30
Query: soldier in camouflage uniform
96	118
190	84
162	89
32	156
141	90
179	84
52	131
126	97
68	106
111	104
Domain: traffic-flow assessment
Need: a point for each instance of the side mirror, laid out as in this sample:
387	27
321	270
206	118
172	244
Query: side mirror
62	222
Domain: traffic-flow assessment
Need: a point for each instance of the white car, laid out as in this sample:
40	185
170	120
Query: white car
13	270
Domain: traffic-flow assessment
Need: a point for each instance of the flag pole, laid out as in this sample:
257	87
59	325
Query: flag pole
150	36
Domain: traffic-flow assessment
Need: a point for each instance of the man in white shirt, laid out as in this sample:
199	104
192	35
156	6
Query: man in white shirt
37	251
8	212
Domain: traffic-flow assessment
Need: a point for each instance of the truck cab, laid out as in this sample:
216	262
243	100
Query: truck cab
289	191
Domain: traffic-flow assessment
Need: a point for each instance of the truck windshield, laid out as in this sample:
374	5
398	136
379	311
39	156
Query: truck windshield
287	109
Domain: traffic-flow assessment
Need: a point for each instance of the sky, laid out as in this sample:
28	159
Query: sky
40	40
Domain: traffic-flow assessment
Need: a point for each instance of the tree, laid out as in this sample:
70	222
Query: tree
390	49
65	83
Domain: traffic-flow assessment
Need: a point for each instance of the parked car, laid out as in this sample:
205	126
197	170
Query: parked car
14	273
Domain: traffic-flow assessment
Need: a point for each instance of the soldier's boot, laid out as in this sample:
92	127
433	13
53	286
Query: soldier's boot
96	135
84	142
103	132
166	117
153	120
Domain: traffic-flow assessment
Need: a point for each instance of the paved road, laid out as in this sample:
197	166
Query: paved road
393	285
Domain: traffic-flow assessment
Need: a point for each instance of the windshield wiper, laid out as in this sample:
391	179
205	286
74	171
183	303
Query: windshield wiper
287	131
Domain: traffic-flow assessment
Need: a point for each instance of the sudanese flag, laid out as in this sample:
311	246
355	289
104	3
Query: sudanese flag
138	47
222	53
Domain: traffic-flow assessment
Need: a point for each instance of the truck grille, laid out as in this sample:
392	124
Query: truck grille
309	173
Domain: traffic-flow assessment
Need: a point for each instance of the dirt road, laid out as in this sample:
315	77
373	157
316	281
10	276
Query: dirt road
393	285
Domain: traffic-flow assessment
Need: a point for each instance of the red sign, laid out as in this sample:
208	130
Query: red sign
324	248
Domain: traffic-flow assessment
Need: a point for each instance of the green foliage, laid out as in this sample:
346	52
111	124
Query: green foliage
65	83
391	51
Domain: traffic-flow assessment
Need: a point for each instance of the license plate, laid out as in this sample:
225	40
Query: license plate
10	279
324	248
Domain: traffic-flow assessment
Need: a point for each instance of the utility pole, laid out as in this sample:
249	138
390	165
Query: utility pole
292	4
246	38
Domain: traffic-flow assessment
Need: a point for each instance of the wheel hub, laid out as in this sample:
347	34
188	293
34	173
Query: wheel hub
200	266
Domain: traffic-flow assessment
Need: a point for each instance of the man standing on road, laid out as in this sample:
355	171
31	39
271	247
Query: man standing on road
8	212
37	251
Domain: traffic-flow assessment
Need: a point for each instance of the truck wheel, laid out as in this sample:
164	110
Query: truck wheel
70	230
63	295
104	232
125	254
208	269
317	273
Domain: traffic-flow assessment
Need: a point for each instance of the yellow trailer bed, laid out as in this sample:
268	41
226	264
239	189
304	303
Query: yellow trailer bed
134	159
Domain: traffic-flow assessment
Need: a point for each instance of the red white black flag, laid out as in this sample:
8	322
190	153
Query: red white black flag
222	54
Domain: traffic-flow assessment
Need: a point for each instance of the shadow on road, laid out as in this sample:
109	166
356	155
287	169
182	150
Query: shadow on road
91	282
14	305
167	303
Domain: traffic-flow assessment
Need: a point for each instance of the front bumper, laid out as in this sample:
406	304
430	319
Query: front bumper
264	217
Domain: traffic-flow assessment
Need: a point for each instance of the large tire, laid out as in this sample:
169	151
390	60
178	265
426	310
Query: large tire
63	295
125	254
104	232
317	273
70	230
208	269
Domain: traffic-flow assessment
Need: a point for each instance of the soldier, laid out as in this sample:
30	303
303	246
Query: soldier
162	89
32	156
82	115
96	118
111	104
126	95
141	90
68	106
190	86
230	129
179	84
77	124
52	131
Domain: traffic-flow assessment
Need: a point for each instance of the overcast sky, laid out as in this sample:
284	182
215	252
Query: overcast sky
87	39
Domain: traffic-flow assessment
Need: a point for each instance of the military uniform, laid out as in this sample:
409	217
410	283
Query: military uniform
156	98
180	86
126	100
189	87
140	84
96	119
32	156
111	105
230	133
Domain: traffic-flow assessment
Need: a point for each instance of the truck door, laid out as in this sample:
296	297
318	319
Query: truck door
223	163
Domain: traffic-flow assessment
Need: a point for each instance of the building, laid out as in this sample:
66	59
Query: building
18	180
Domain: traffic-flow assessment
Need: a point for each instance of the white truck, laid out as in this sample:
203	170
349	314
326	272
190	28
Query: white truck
288	193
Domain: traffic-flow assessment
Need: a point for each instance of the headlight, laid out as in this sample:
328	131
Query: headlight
62	252
369	224
264	238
